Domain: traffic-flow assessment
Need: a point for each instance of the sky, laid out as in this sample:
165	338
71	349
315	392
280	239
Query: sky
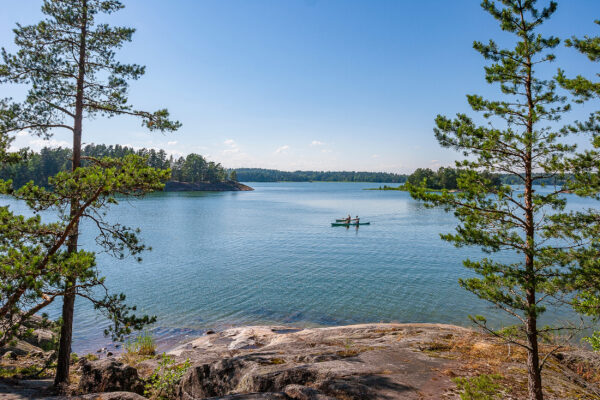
304	84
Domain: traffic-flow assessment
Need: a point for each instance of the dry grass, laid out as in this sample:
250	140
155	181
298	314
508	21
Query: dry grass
587	372
481	354
139	349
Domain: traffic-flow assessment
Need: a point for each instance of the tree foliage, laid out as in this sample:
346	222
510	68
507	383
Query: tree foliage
39	166
555	250
68	63
444	178
586	182
34	259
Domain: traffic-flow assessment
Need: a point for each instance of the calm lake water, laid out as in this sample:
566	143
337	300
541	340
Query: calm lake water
271	256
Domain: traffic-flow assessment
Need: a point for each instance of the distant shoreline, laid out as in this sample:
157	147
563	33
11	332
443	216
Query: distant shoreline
228	186
403	188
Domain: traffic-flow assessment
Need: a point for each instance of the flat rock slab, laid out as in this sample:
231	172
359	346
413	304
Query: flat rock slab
25	389
370	361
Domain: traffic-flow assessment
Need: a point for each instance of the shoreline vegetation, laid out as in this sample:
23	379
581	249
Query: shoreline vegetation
446	178
403	188
226	186
203	175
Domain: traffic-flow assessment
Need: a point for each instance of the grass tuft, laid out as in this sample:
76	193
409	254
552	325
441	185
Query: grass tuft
139	349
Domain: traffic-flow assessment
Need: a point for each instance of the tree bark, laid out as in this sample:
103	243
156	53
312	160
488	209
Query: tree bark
534	381
66	333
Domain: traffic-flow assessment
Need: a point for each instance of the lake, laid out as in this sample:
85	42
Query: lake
271	257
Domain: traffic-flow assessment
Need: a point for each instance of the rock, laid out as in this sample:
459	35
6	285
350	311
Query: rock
368	361
34	322
108	375
299	392
210	380
10	355
266	380
353	362
210	332
42	338
252	396
22	348
103	396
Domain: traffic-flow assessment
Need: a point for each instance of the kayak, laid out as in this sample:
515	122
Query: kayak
341	220
349	224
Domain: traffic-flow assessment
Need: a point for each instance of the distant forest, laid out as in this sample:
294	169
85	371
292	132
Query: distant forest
446	178
49	161
273	175
194	168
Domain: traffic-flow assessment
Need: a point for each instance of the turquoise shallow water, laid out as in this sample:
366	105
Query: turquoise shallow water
271	256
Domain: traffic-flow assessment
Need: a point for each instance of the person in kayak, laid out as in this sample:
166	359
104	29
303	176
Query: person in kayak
349	219
357	220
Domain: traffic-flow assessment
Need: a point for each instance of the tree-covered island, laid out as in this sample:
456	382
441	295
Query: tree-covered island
192	172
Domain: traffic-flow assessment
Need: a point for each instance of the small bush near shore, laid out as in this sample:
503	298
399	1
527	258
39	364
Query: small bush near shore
163	382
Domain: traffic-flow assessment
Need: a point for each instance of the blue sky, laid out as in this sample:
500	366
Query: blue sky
305	84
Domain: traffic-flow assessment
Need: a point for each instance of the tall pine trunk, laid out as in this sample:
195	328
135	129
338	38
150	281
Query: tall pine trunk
534	385
66	333
534	381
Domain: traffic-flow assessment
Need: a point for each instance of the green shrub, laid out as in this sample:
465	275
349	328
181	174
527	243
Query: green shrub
163	382
482	387
593	340
19	372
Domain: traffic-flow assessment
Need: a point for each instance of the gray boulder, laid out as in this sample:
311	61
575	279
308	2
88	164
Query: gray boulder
22	348
299	392
108	375
42	338
252	396
103	396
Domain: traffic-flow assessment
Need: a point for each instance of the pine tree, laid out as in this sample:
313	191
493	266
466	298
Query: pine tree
68	62
554	250
586	183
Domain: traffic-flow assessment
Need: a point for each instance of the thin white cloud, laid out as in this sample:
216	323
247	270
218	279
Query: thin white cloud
326	151
316	143
232	147
282	149
435	164
36	143
173	143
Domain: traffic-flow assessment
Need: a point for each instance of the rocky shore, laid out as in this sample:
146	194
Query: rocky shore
371	361
229	186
